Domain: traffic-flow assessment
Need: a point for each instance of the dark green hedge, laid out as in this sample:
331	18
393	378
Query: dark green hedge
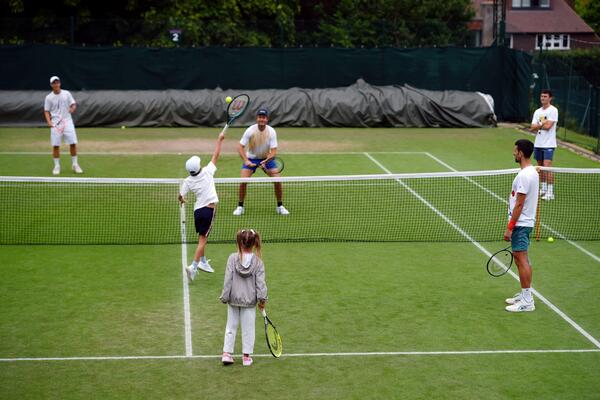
586	62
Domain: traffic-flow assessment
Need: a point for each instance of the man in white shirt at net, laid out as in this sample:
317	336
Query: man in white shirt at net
522	207
543	124
258	148
58	107
201	182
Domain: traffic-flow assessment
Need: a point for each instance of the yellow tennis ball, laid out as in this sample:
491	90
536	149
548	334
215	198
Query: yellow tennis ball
550	239
122	126
228	99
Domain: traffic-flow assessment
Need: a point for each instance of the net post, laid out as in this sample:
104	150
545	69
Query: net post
537	210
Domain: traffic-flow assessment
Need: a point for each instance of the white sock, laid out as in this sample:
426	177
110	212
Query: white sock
544	187
526	294
56	162
74	158
550	189
195	264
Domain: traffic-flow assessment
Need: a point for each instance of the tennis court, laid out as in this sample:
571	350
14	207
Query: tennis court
418	319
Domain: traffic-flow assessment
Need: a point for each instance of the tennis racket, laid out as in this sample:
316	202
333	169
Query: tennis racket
500	262
236	108
273	338
279	165
60	126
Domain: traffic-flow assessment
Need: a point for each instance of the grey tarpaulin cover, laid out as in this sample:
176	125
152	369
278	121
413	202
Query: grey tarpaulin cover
358	105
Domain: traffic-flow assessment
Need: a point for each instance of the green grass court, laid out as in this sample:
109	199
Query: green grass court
358	320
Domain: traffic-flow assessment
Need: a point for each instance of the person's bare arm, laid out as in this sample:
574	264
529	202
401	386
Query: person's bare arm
272	154
515	215
242	153
72	108
217	151
547	125
181	199
48	118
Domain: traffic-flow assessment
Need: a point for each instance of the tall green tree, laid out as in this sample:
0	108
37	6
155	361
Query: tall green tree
589	10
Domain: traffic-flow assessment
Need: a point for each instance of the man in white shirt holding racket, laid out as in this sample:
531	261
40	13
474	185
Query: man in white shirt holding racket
58	107
258	148
522	207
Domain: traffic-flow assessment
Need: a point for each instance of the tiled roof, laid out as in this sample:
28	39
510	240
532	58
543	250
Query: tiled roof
559	18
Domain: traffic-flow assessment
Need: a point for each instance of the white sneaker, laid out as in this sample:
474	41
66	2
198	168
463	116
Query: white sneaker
227	359
548	197
516	298
191	272
521	306
238	211
205	266
77	169
56	170
247	361
282	211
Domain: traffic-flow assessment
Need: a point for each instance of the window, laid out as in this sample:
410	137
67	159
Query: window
531	3
553	41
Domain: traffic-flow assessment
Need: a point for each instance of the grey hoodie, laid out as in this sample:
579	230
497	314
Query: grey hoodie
244	286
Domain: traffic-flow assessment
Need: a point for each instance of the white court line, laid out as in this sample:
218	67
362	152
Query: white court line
301	355
554	232
564	316
138	153
186	290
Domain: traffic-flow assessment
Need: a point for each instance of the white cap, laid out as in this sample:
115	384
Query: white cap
54	78
193	165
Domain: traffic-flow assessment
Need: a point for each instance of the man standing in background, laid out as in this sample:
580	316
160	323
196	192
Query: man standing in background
58	107
543	124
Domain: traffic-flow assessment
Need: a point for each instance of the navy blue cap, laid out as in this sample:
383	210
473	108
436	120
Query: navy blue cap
262	111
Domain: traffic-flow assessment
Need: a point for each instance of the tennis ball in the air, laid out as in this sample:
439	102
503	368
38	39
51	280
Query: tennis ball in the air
228	99
122	126
550	239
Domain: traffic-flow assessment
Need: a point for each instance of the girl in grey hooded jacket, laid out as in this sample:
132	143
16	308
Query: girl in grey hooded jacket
244	288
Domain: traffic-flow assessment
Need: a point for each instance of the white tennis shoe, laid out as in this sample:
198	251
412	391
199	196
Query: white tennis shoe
238	211
516	298
548	197
205	266
227	359
56	170
77	169
247	361
521	306
191	272
281	210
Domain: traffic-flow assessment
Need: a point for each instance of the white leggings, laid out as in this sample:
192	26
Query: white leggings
247	315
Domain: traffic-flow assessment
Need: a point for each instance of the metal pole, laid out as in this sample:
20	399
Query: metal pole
568	98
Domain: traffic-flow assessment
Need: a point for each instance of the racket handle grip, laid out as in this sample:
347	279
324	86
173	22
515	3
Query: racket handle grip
263	312
225	128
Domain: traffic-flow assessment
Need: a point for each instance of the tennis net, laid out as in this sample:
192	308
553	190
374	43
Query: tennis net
452	206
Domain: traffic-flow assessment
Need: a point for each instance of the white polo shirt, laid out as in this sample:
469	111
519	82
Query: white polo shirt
527	182
58	105
262	151
202	185
545	138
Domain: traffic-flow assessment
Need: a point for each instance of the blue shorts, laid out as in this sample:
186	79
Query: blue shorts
203	219
543	153
270	165
520	238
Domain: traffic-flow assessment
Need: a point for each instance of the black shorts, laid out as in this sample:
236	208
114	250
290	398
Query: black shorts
203	219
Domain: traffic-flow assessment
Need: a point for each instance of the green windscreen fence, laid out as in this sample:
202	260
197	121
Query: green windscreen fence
577	100
503	73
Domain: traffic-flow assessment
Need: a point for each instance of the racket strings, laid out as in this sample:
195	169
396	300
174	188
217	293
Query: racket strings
500	262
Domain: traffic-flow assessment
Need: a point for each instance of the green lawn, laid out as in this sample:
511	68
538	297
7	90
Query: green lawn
128	300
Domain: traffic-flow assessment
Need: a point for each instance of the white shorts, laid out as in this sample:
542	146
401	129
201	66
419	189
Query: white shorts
69	135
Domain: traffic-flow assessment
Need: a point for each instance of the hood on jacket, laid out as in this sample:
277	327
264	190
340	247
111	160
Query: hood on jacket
246	270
